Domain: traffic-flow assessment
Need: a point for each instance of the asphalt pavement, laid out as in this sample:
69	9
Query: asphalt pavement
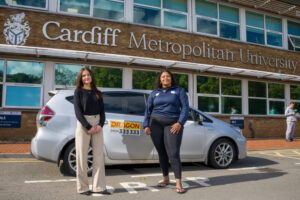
264	174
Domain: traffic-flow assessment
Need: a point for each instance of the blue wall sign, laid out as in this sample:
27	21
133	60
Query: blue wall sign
10	119
237	121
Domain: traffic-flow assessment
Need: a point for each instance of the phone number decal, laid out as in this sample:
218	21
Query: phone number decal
125	128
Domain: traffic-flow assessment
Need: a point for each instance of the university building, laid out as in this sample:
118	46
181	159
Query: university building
234	58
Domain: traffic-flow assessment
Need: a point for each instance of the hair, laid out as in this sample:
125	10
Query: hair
292	102
158	84
79	83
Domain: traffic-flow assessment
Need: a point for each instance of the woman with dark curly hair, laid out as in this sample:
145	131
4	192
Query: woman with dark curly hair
89	110
166	112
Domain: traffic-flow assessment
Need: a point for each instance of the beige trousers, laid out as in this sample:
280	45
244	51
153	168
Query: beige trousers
82	144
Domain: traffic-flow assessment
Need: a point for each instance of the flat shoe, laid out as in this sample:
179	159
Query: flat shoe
105	192
163	184
180	190
87	193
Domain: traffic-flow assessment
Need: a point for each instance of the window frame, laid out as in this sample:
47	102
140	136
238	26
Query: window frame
294	36
162	15
218	20
266	31
29	85
61	87
147	70
101	66
267	98
293	100
30	7
219	96
91	12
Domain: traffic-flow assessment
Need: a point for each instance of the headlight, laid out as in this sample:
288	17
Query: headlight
237	129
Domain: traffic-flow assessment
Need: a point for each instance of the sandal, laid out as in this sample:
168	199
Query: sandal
163	184
180	190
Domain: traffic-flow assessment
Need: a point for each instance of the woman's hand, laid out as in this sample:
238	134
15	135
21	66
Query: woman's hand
147	130
175	128
95	129
92	130
98	128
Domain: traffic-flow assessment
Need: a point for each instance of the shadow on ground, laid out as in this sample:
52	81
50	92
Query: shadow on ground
139	169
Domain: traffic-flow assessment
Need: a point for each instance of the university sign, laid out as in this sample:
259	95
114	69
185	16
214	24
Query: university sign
101	36
55	31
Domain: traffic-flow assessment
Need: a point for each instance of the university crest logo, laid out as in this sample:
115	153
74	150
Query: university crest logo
16	31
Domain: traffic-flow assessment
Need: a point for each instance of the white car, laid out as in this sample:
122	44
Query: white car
205	138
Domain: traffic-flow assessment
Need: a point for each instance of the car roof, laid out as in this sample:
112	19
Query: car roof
71	91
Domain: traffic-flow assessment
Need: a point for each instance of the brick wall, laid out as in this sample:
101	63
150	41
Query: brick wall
264	127
25	133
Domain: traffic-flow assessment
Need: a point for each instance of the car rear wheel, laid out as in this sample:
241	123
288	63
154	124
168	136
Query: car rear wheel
70	160
222	153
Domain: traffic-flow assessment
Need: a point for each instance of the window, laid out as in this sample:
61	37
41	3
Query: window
66	74
26	3
297	108
208	19
294	36
265	97
276	98
182	81
107	9
124	103
1	70
231	96
23	79
208	89
295	96
143	80
75	6
257	98
295	92
4	2
108	77
208	104
195	115
166	13
215	93
262	29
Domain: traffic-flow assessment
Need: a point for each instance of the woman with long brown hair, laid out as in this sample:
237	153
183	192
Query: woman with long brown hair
89	110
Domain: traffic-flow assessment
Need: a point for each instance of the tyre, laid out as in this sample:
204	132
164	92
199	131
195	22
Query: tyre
222	154
70	160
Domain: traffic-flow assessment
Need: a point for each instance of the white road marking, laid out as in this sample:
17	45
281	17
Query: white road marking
50	181
246	168
131	186
148	175
296	152
199	180
297	163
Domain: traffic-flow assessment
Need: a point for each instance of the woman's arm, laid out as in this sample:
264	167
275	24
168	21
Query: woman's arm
184	101
102	113
148	110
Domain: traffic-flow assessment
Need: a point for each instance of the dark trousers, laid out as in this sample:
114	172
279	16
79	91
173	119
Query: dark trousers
167	144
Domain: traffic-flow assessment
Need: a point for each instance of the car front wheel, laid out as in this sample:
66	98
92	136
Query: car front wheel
222	153
70	160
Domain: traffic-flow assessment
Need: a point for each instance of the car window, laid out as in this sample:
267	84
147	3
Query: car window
124	103
196	113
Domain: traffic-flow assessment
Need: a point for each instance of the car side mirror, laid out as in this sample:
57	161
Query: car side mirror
200	120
